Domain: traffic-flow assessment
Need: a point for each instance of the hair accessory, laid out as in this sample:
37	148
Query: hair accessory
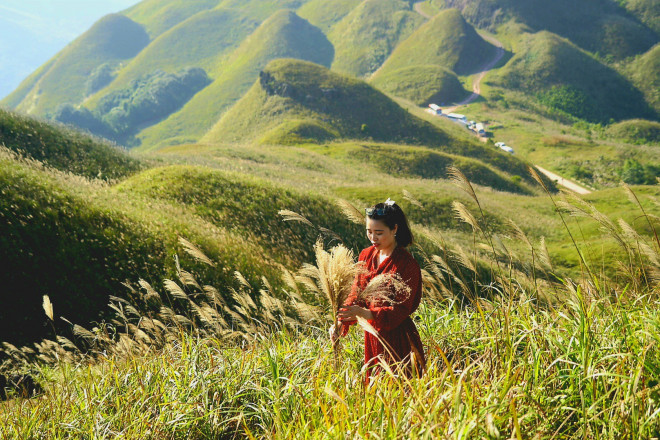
389	202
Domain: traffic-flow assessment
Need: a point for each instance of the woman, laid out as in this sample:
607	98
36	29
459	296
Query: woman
398	342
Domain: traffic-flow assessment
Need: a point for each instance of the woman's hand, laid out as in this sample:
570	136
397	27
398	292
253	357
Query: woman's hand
351	313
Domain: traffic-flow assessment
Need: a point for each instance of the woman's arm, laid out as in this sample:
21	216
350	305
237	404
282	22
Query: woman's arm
386	318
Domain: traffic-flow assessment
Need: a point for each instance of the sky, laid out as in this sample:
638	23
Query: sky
32	31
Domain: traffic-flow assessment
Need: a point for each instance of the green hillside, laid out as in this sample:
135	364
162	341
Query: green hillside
566	78
648	11
326	13
260	10
300	91
406	161
365	37
636	131
157	16
299	102
112	39
200	41
284	34
421	84
599	26
446	40
645	73
14	98
64	149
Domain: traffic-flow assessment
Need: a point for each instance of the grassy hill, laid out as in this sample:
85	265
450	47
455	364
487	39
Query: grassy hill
599	26
647	11
636	131
645	74
157	16
201	41
365	37
112	39
421	84
324	14
300	102
564	77
64	149
339	105
446	40
284	34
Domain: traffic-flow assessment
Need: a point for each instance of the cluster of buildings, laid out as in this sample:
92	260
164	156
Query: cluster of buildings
476	127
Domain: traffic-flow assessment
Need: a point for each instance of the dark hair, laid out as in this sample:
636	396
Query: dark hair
392	215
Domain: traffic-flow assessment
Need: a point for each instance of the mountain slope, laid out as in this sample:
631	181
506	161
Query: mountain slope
645	73
565	77
64	149
446	40
299	102
157	16
200	41
421	84
599	26
365	37
326	13
284	34
112	39
338	105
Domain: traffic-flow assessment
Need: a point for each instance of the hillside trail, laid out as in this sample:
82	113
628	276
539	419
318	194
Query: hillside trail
563	182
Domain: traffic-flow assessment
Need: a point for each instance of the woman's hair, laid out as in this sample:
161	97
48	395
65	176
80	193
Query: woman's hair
391	214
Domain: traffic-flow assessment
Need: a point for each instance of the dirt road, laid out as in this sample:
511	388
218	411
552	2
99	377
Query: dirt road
418	9
476	84
563	182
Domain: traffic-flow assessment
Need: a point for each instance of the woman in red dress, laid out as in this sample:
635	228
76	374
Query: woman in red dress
398	343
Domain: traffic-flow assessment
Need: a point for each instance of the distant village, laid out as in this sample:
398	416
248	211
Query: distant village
476	127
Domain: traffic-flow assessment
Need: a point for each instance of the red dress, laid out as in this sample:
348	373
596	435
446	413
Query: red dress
401	346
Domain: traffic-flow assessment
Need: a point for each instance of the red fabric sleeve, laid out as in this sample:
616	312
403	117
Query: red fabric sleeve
387	318
353	295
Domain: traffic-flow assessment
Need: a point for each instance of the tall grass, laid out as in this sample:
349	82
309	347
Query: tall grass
530	355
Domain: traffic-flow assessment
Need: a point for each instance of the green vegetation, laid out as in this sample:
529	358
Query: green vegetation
567	78
157	16
498	326
599	26
447	41
365	37
420	84
201	41
284	34
645	73
326	13
636	131
408	161
147	100
112	39
64	149
648	11
291	89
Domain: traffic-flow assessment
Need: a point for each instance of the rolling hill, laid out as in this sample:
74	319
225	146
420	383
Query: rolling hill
423	67
284	34
446	40
64	149
564	77
297	102
200	41
111	40
598	26
337	106
366	36
645	74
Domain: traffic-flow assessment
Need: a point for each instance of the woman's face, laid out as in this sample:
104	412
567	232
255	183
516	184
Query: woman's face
380	235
